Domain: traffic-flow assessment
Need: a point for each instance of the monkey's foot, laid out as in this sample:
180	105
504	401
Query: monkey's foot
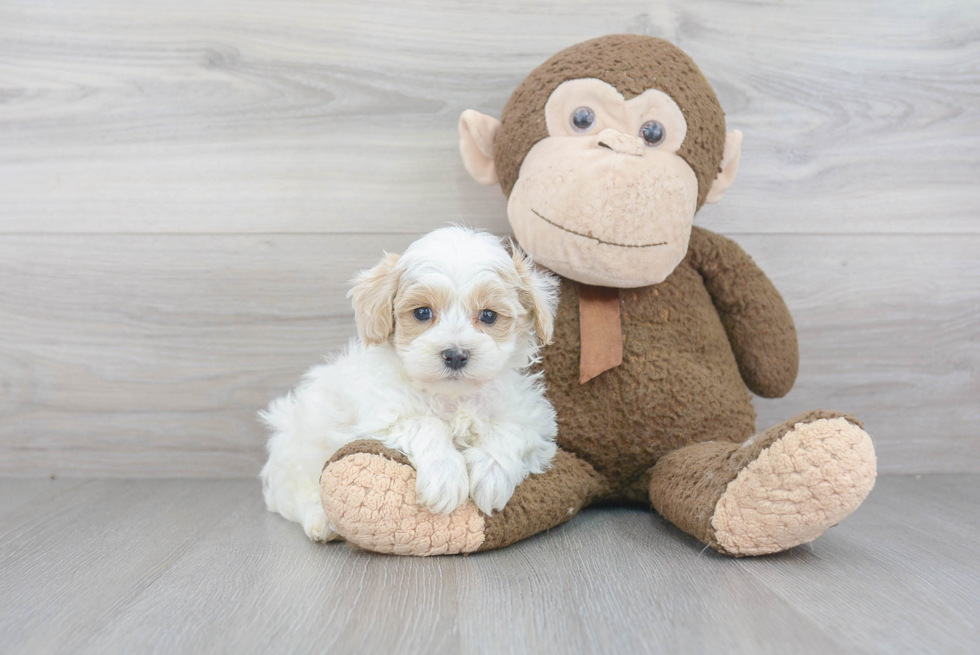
803	482
368	494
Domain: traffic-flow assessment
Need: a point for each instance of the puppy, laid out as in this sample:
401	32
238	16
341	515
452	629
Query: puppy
447	332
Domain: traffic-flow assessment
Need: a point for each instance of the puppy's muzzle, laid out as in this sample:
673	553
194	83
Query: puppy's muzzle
455	359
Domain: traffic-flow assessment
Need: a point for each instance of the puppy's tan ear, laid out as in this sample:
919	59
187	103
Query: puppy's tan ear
538	292
373	297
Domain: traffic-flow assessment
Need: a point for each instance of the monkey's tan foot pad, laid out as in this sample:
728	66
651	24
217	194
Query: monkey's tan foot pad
369	497
802	484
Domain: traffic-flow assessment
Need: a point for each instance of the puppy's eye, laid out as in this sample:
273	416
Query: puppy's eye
423	314
488	316
582	119
653	133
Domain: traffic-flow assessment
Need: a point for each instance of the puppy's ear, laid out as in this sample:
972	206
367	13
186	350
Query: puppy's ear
538	293
373	297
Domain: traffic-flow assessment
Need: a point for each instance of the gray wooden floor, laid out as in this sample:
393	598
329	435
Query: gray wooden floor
199	566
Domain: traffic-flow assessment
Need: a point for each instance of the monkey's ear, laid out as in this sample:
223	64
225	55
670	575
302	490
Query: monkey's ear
476	134
373	297
729	167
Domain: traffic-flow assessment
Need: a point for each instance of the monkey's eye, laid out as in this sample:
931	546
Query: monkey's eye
423	314
488	316
653	133
582	119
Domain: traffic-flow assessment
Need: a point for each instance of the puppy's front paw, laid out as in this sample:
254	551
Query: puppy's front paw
490	486
317	527
441	482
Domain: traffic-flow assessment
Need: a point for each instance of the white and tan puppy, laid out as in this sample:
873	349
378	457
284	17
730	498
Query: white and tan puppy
447	332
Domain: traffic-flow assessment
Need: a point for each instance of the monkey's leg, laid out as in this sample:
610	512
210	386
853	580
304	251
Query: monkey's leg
368	494
776	490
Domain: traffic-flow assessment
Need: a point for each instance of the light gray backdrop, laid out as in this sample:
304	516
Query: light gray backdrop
185	188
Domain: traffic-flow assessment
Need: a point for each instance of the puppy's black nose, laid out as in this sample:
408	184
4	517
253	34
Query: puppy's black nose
454	358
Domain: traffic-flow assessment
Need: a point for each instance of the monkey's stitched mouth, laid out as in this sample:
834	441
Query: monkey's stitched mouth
589	236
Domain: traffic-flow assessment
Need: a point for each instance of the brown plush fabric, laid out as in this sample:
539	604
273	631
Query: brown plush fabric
679	382
632	64
685	485
759	327
371	447
544	501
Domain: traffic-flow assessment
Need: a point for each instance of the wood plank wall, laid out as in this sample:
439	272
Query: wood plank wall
185	188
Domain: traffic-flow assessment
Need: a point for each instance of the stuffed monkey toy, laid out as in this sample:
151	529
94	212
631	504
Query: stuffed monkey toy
606	152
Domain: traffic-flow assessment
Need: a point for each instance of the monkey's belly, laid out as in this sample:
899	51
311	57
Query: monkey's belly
626	419
678	384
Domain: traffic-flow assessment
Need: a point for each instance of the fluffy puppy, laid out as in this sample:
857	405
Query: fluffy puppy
447	332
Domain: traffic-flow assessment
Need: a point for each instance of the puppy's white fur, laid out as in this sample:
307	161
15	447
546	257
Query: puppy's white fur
473	432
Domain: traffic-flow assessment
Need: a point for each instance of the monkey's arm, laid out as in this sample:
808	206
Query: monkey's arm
759	327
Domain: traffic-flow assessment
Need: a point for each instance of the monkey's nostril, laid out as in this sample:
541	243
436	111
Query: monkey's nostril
454	358
603	144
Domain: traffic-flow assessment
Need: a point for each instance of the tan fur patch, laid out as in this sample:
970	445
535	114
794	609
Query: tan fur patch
372	296
371	502
803	484
407	327
497	298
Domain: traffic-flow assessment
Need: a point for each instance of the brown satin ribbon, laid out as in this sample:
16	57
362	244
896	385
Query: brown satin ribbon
600	330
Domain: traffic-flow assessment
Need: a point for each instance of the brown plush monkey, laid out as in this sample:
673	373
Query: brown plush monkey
606	152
